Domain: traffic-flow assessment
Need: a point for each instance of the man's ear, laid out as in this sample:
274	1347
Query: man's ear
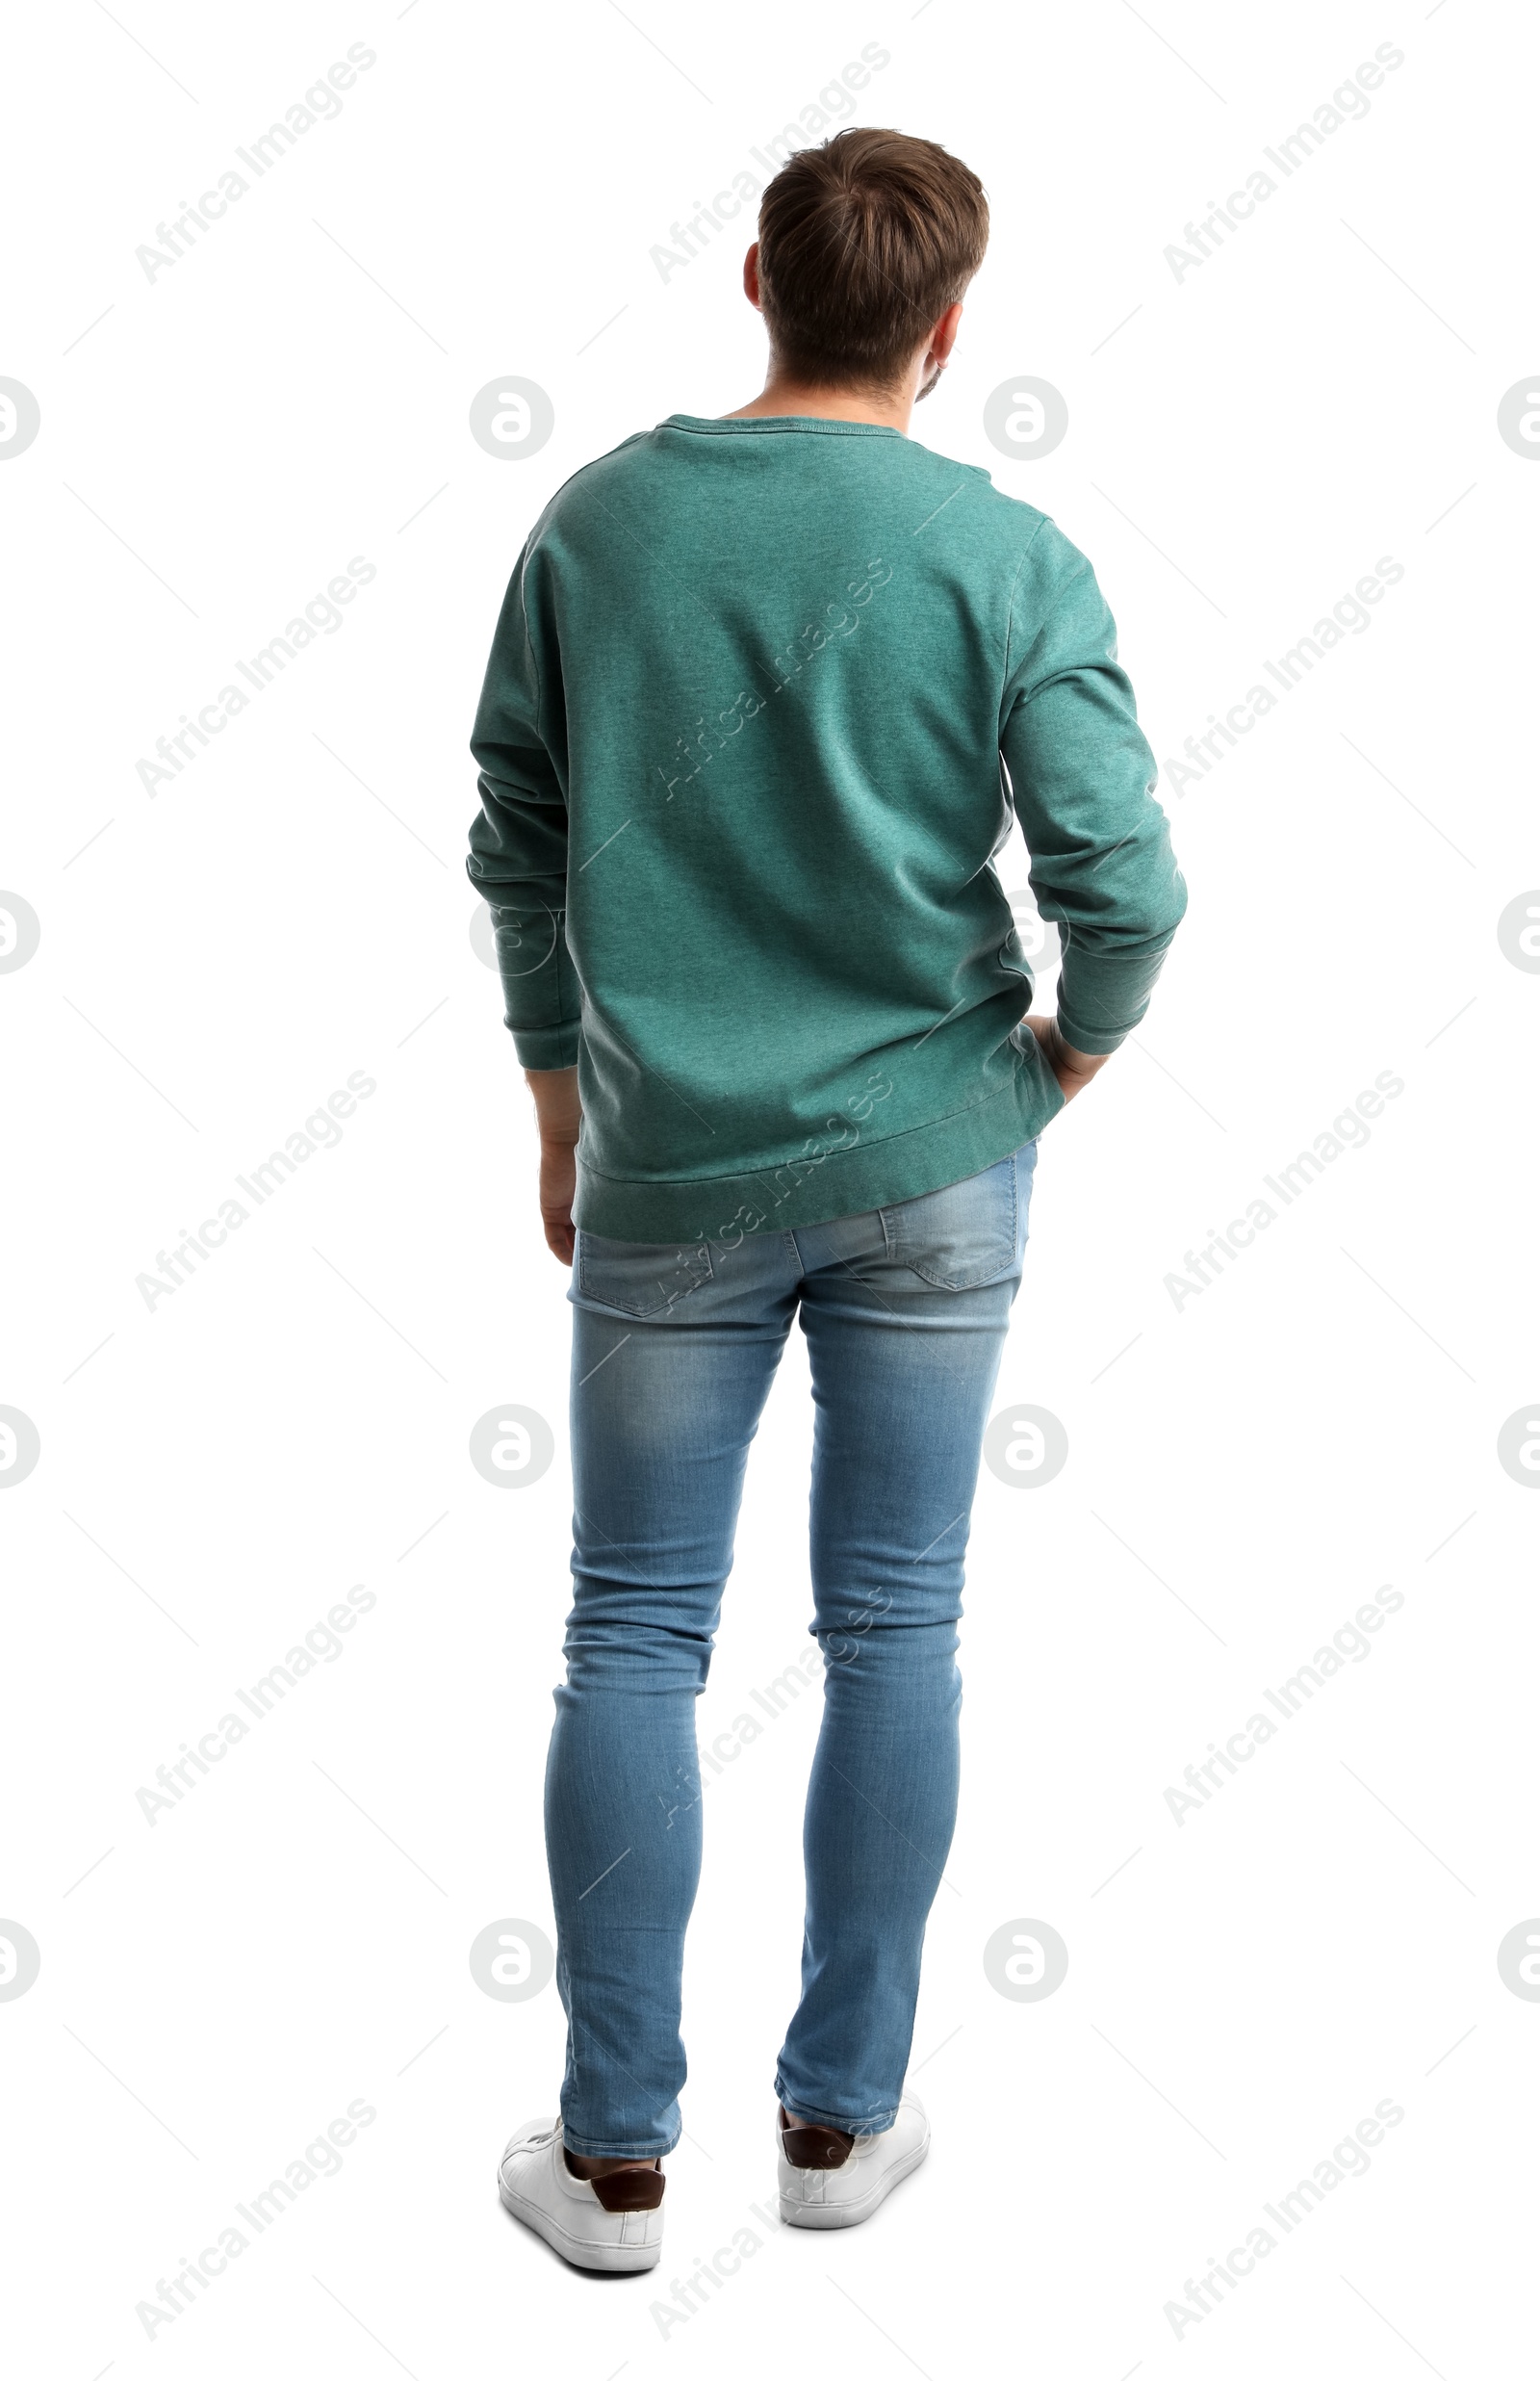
943	336
750	276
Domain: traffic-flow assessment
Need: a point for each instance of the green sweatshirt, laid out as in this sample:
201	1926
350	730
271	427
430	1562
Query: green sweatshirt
759	701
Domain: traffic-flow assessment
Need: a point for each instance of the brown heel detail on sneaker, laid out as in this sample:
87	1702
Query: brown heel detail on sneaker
814	2145
633	2187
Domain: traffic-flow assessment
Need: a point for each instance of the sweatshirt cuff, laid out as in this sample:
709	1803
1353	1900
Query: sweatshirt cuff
1104	995
544	1047
1095	1042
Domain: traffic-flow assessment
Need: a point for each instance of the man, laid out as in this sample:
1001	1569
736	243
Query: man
762	693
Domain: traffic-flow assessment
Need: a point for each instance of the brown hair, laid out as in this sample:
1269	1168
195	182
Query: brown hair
863	242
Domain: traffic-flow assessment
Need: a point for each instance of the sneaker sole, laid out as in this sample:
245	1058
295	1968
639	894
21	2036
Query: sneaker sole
594	2256
838	2218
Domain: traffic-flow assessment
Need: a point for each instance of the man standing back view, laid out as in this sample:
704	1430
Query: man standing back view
764	691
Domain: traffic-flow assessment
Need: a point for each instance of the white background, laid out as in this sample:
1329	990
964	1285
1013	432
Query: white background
1244	1470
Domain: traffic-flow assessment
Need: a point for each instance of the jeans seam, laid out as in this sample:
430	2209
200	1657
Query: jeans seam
580	2149
880	2121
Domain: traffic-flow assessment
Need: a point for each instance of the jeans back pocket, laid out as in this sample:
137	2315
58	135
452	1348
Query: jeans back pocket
640	1277
967	1234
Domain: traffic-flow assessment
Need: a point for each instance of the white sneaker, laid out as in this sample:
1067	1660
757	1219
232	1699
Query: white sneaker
841	2186
535	2185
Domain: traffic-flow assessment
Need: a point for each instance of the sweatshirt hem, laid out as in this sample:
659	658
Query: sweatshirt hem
724	1208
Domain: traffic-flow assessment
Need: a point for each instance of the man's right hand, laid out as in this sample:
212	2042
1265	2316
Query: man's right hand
1072	1069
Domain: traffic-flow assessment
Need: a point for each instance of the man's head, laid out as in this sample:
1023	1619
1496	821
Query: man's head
866	245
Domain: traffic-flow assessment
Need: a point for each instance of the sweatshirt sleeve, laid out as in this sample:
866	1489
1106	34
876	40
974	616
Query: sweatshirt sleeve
517	857
1083	777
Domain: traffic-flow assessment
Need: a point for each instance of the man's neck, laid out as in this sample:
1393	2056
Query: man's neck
886	410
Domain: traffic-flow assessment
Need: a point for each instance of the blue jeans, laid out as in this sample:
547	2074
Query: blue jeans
904	1312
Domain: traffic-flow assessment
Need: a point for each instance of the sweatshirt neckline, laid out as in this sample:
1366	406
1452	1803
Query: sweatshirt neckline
783	421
